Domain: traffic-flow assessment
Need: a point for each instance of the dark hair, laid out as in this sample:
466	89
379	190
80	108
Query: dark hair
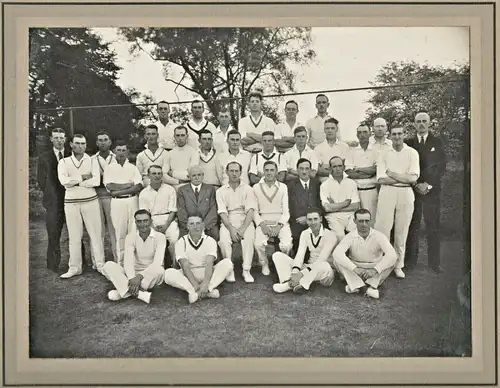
152	126
163	102
396	125
314	210
197	102
78	135
361	211
121	143
364	124
142	211
299	129
303	160
255	94
154	166
233	132
204	132
181	127
331	120
195	214
224	109
102	133
292	102
270	162
234	162
322	95
335	157
57	130
267	133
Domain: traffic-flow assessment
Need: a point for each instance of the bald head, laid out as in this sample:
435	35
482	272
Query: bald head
379	127
422	121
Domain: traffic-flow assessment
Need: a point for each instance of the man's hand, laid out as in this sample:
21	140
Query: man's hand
295	278
301	220
235	237
352	143
203	290
370	272
134	284
86	176
265	229
360	272
260	174
275	230
160	228
241	232
422	188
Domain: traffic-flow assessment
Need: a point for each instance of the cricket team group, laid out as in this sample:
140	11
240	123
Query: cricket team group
295	194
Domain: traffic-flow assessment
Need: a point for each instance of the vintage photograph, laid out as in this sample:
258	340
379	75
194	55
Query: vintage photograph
249	192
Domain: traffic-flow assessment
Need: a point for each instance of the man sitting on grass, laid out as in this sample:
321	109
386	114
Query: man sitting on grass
317	243
142	262
196	253
371	256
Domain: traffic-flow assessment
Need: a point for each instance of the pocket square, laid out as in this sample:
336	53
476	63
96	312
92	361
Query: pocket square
433	149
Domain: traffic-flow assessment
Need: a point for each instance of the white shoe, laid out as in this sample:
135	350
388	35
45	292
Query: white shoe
399	273
265	270
372	293
145	296
71	272
215	294
114	295
281	287
349	291
248	277
193	297
230	278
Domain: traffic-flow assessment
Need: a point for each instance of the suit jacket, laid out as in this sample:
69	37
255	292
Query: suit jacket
432	159
187	204
48	181
299	201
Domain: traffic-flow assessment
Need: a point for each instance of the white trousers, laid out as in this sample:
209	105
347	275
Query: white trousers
319	271
226	245
176	278
339	222
343	264
105	205
152	276
122	216
395	208
78	214
285	242
369	200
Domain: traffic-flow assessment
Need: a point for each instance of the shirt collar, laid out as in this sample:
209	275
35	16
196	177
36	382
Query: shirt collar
320	234
404	147
207	156
85	156
272	153
201	124
424	136
304	183
219	130
327	116
307	148
276	182
111	154
56	151
373	141
228	186
194	187
356	233
369	147
203	235
152	234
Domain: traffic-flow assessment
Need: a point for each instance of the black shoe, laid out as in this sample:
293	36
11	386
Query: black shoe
53	268
436	268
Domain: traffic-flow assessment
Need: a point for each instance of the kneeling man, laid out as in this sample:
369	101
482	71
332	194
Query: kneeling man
196	253
371	256
142	262
317	243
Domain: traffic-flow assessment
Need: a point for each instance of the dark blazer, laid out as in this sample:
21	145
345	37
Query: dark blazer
432	159
299	201
48	181
187	204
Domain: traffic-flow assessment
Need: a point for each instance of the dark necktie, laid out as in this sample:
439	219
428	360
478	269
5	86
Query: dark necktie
60	156
305	186
422	140
196	193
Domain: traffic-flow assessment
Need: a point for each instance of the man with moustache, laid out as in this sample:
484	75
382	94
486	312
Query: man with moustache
254	124
300	151
198	123
235	154
284	132
427	194
165	126
268	153
222	131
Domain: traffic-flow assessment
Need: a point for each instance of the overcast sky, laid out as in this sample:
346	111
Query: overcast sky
346	58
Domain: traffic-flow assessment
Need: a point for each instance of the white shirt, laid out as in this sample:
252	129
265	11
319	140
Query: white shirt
320	247
358	157
272	202
316	130
195	254
210	166
147	158
235	201
373	252
325	151
419	137
243	157
284	130
379	148
293	155
178	161
196	187
115	173
104	163
405	161
194	129
70	171
338	192
140	254
247	125
308	183
258	160
160	203
166	134
220	139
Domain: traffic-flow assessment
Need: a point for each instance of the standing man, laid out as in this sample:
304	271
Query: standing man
142	264
397	170
379	141
267	154
80	176
329	148
222	131
427	194
371	257
104	157
316	125
236	206
165	126
285	131
340	199
208	159
255	124
124	182
235	154
53	195
303	193
298	274
271	215
198	123
160	200
300	151
178	161
361	166
196	254
197	197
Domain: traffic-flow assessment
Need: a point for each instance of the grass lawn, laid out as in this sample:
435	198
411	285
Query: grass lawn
414	317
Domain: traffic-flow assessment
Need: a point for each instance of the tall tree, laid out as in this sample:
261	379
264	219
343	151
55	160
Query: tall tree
223	64
73	67
447	103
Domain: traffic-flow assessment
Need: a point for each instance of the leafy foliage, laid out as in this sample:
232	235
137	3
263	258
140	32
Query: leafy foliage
222	64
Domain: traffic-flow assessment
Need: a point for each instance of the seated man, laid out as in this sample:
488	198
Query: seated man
142	263
371	256
318	242
340	199
271	215
196	253
160	200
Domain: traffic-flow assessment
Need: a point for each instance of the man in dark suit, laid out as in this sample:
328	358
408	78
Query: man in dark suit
427	194
197	198
53	195
303	193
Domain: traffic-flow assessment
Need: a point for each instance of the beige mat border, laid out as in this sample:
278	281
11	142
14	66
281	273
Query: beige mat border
20	370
